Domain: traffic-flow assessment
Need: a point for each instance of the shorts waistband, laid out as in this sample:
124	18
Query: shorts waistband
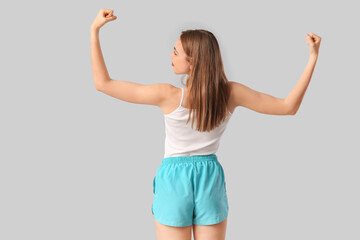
194	158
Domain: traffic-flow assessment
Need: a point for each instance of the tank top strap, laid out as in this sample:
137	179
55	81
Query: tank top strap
182	96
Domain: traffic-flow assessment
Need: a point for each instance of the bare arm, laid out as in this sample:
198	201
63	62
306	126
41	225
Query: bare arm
99	69
260	102
295	97
265	103
268	104
154	94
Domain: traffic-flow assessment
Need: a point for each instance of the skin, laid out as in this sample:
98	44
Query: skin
167	97
181	66
200	232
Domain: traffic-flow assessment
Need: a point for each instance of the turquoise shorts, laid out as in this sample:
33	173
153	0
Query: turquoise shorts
190	190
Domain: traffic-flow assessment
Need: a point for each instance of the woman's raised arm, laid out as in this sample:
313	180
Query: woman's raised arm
264	103
260	102
154	94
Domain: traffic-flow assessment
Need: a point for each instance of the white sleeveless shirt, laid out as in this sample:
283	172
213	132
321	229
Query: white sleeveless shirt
182	140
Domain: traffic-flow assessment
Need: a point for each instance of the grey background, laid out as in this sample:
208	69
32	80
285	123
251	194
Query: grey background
79	164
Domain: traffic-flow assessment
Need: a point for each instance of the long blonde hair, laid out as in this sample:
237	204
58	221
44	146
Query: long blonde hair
209	89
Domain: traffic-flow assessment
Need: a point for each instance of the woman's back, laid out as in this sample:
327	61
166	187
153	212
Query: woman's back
183	140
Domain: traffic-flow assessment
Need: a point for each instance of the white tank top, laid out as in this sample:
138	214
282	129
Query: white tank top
182	140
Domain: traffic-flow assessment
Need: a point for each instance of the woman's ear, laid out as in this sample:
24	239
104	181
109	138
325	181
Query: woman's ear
190	62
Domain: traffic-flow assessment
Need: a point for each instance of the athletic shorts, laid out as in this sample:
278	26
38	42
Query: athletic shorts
190	190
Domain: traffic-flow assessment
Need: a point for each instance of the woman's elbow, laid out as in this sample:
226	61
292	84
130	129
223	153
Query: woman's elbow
293	112
98	87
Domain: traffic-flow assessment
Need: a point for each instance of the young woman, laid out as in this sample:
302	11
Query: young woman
189	186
